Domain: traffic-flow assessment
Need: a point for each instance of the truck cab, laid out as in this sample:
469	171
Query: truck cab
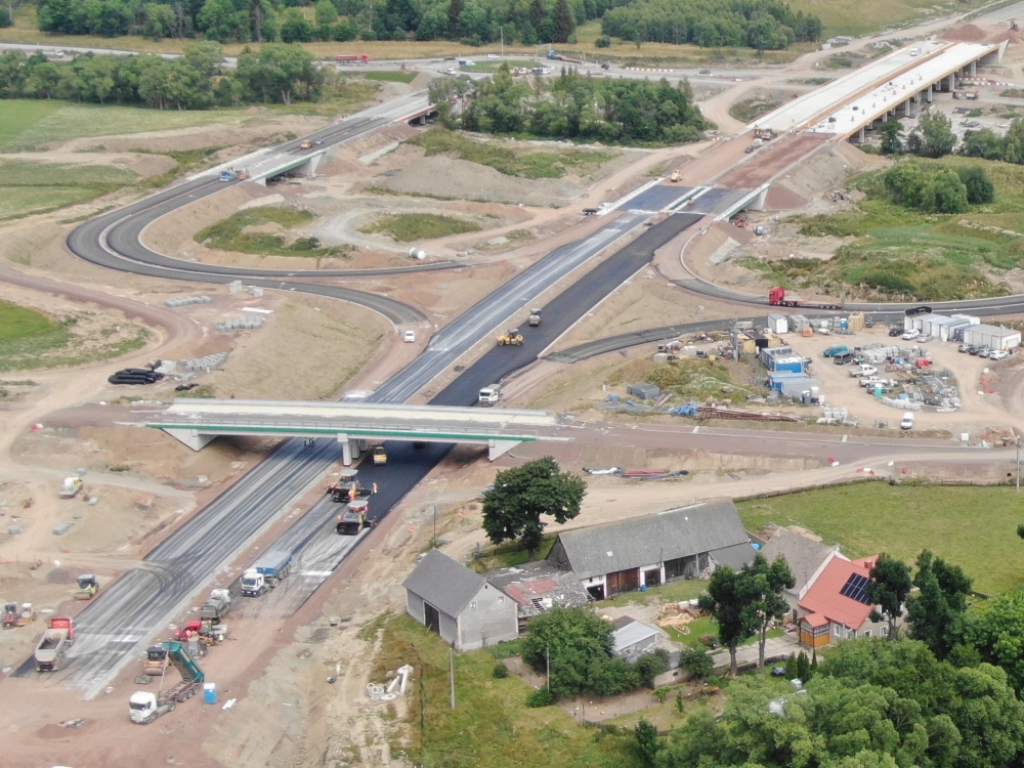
143	707
489	395
253	583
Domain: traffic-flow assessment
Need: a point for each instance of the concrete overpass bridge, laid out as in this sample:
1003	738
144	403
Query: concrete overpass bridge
195	422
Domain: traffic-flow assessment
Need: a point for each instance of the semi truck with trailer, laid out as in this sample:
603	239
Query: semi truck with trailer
266	573
777	298
145	707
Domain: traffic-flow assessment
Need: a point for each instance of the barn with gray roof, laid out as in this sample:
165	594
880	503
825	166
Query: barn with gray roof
682	543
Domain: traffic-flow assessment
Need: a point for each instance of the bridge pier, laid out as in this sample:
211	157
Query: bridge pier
498	448
190	437
350	449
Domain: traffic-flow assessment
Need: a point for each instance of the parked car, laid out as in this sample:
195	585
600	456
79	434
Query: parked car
925	339
998	354
908	420
863	370
964	348
911	335
983	351
895	331
842	358
835	349
972	350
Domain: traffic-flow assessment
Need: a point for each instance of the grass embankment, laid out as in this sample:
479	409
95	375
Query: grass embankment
862	17
512	162
688	378
974	528
749	110
510	554
28	187
228	234
408	227
391	77
490	727
902	254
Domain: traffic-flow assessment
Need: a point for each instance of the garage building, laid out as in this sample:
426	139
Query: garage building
992	336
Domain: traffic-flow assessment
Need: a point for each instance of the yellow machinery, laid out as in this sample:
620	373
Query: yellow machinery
511	337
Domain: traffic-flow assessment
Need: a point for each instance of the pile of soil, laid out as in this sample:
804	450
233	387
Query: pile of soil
968	33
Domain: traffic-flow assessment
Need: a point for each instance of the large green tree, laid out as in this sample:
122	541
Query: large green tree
725	601
889	588
891	132
512	508
563	25
760	586
937	137
937	611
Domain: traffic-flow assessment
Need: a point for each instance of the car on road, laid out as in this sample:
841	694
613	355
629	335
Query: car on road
911	335
908	420
895	331
998	354
964	348
58	54
410	336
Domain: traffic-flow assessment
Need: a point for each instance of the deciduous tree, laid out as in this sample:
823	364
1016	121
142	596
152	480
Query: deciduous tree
888	589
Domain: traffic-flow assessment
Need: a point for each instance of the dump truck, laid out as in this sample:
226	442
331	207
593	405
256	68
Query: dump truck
512	337
306	144
266	573
380	455
145	707
217	607
777	297
489	395
71	487
57	638
346	488
353	519
88	586
534	320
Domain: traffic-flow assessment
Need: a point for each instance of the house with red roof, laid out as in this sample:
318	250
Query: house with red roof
835	605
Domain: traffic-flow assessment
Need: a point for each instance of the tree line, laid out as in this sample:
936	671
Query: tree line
276	73
761	24
571	106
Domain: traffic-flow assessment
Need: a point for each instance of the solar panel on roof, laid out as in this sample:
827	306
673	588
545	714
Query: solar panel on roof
856	588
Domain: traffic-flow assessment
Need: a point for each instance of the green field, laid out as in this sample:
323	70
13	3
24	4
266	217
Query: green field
512	162
974	528
228	235
861	17
28	187
490	727
896	253
391	77
408	227
21	323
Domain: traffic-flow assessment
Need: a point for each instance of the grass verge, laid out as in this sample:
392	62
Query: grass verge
228	234
28	187
861	17
391	77
490	727
21	323
749	110
974	528
407	227
510	554
512	162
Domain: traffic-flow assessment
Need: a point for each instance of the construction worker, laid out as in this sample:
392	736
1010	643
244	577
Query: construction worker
375	488
352	492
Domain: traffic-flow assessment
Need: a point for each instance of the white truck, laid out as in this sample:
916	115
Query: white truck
145	707
266	573
490	395
56	640
71	487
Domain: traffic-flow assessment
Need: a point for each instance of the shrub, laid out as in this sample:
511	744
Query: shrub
500	671
5	18
697	662
603	42
542	697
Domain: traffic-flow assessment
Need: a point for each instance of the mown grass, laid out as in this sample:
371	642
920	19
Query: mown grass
391	77
59	346
974	528
28	187
510	554
512	162
228	235
748	110
860	17
407	227
490	727
902	254
21	323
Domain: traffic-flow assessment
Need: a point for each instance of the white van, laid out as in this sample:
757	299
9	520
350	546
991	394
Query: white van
915	51
908	420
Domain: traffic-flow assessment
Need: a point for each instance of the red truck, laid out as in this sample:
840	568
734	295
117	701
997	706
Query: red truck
777	298
353	58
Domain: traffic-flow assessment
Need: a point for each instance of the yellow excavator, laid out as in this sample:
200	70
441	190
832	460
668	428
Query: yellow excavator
511	337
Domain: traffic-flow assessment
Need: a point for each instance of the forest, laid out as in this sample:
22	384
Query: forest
276	73
761	24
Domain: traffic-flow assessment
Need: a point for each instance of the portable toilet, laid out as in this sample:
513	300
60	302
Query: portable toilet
210	693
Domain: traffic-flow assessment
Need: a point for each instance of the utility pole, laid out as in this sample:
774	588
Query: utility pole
1018	463
547	655
502	41
451	674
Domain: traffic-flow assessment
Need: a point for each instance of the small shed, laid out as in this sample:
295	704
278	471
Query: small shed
795	389
992	336
632	639
778	323
777	379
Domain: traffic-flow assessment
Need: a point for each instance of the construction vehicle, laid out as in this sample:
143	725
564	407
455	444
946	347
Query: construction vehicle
534	320
56	640
156	661
217	607
228	175
306	144
676	176
145	707
967	95
353	519
777	297
88	586
266	573
489	395
353	58
380	455
511	337
10	617
26	615
346	488
765	134
71	487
